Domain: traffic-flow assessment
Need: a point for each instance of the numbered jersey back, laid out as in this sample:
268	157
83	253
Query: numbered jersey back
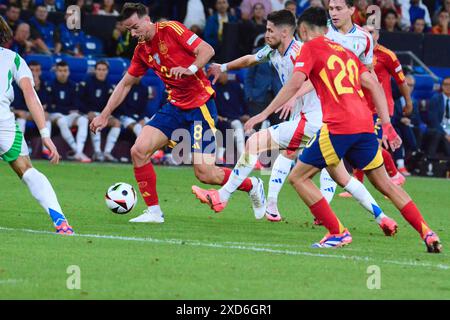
335	73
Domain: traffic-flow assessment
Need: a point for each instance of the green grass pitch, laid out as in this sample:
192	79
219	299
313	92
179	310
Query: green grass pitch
196	254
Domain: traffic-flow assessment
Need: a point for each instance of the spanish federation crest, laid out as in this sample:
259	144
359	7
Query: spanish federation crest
163	48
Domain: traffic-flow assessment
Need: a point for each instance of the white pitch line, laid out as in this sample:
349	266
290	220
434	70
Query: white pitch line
239	247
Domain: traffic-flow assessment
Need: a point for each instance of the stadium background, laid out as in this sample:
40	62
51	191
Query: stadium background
423	53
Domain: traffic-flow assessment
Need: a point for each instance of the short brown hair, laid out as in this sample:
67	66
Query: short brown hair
5	32
130	8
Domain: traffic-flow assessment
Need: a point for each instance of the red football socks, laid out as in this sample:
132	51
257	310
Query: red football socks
322	212
389	163
413	216
246	185
358	174
146	179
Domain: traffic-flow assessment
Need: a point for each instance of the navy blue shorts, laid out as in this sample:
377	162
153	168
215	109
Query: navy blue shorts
361	150
200	122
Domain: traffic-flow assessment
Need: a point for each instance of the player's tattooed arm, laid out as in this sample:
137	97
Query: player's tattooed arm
286	93
215	69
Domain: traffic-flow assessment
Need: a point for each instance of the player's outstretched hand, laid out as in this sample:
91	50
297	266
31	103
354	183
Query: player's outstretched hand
214	70
178	72
54	155
253	121
98	123
390	137
286	109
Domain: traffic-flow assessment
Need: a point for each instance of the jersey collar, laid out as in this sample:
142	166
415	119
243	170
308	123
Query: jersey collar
352	30
289	46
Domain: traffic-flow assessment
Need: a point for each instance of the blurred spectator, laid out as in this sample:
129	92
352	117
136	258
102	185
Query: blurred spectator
123	43
277	4
195	17
247	8
22	43
291	5
418	26
63	110
108	9
54	5
71	40
359	15
214	25
259	15
404	126
231	109
44	33
390	21
438	119
418	10
94	94
12	16
302	5
26	9
442	27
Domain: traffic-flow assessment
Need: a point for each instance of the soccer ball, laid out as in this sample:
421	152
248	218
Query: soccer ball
121	198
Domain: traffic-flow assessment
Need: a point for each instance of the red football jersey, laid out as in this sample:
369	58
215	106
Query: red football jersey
334	73
173	46
386	64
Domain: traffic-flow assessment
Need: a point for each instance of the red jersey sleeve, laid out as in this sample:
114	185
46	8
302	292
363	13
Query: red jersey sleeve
137	67
304	62
395	68
361	66
188	39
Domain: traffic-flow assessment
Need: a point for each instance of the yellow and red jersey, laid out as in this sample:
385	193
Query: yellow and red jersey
386	64
172	46
335	71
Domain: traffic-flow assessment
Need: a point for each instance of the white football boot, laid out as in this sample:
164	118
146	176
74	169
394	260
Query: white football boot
258	198
150	216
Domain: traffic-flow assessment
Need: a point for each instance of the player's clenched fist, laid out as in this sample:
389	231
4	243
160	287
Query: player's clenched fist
98	123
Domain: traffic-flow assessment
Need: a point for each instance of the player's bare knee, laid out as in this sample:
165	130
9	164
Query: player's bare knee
21	165
138	153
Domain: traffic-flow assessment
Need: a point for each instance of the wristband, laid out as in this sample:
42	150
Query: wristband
223	67
193	68
45	133
389	131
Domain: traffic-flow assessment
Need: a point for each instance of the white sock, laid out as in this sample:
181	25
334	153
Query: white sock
240	172
96	141
156	209
280	170
360	193
43	192
111	139
66	133
48	125
327	185
400	163
137	129
21	123
82	131
239	136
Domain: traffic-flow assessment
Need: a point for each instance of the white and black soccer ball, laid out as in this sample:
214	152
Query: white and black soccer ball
121	198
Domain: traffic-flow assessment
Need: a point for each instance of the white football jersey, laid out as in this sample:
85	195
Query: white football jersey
357	40
12	67
309	105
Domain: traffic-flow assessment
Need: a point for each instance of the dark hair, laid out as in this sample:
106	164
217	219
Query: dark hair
62	63
349	3
104	62
12	5
282	17
130	8
5	31
40	6
314	16
33	63
289	2
391	11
